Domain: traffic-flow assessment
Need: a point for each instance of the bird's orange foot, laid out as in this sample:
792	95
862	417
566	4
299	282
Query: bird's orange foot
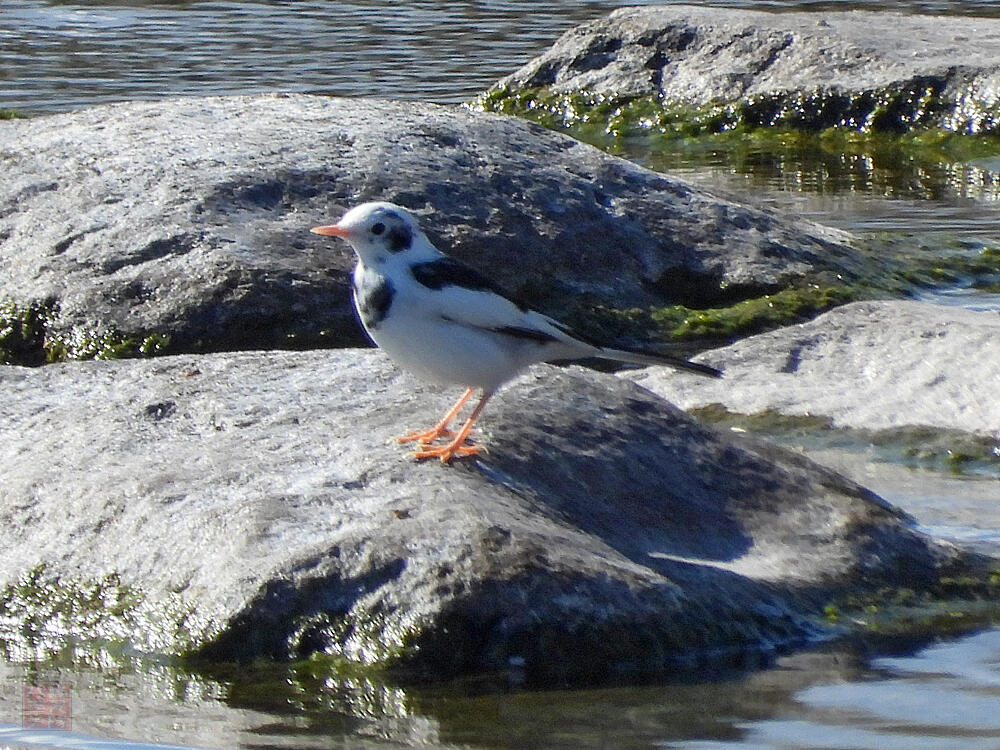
456	448
426	436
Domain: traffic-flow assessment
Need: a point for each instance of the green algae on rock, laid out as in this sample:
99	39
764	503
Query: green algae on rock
904	271
22	334
29	336
879	129
785	307
687	329
954	604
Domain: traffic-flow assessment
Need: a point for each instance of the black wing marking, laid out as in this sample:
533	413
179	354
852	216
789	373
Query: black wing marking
437	274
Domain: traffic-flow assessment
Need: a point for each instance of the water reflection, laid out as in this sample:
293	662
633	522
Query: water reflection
879	190
944	697
834	697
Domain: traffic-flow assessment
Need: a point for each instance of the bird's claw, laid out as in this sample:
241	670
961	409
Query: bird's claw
447	452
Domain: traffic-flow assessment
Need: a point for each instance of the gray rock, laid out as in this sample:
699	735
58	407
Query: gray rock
190	217
862	68
870	365
250	504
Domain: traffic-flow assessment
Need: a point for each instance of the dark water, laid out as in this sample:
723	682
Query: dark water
56	56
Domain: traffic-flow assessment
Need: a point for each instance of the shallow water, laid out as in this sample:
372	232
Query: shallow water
917	210
965	201
57	55
931	695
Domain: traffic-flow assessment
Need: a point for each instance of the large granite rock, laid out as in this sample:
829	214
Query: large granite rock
867	365
250	504
867	69
190	218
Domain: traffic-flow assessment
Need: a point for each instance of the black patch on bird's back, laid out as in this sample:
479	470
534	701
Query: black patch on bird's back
373	302
437	274
399	238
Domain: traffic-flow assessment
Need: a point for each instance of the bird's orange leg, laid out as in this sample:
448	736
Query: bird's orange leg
456	447
441	428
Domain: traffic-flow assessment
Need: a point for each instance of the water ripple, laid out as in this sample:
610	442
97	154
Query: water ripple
59	55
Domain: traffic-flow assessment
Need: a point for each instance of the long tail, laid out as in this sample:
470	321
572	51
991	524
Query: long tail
578	346
638	357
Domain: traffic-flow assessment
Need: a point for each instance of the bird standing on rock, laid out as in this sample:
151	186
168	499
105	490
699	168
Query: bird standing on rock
447	323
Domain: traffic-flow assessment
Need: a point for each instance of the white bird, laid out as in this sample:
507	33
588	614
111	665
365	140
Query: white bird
447	323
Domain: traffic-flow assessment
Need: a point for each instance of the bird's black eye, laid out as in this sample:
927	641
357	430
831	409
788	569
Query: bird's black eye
377	228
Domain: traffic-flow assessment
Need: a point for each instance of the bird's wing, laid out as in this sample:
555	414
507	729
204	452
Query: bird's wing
463	295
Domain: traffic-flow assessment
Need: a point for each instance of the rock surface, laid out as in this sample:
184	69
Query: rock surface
870	365
190	217
878	69
255	504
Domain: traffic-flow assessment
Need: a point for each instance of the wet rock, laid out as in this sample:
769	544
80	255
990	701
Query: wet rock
125	225
238	505
868	365
862	69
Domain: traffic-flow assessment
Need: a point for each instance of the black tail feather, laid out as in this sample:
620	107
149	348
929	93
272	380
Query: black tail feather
640	357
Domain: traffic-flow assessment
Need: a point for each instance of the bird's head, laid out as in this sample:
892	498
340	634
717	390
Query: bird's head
378	232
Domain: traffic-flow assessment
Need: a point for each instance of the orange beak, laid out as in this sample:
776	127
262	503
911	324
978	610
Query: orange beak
333	230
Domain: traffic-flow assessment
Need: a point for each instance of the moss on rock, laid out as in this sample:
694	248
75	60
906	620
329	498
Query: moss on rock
788	306
952	606
915	114
687	326
29	336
